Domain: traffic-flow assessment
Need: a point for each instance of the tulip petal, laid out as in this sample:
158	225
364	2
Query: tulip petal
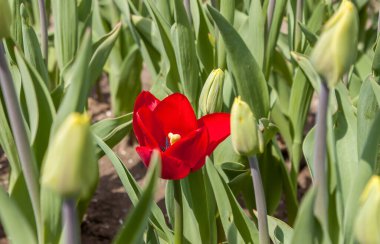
218	127
176	115
172	168
152	135
144	99
190	149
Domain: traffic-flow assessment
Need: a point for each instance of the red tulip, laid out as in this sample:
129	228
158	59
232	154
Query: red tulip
171	126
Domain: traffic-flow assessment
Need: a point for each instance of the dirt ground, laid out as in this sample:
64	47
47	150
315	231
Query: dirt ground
111	204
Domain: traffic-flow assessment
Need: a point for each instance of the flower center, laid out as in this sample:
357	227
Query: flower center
173	138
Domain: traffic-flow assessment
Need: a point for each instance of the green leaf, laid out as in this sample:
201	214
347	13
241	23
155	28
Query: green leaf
376	58
279	231
250	81
346	140
307	228
170	68
205	50
13	221
185	53
40	106
237	226
125	81
256	32
32	50
101	50
137	221
133	190
227	10
65	30
9	146
112	131
77	80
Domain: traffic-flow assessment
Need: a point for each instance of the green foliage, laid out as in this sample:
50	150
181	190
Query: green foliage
97	42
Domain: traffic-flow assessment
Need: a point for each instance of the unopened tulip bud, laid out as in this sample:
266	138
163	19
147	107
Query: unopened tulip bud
368	218
211	98
244	131
5	19
70	166
335	51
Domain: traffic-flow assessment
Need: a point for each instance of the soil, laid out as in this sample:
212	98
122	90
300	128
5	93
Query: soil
111	204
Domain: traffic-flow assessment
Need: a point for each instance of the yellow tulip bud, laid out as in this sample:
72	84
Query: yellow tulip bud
5	19
367	224
211	98
70	167
336	48
244	130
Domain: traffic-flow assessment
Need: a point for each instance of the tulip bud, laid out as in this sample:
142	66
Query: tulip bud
70	167
336	48
5	19
244	131
367	224
211	98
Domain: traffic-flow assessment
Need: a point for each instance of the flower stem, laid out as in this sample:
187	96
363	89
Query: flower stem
186	3
70	225
44	33
298	33
178	214
21	139
260	201
319	161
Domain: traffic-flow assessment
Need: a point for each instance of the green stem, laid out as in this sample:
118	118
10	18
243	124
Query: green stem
21	139
178	214
320	180
70	224
260	200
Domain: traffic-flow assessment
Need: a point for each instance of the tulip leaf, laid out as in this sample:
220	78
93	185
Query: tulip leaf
256	31
40	106
13	221
307	228
32	51
149	55
185	53
346	140
125	81
137	221
237	226
279	231
112	130
376	58
368	140
250	80
133	190
273	34
65	30
101	51
201	214
8	145
204	48
77	82
167	50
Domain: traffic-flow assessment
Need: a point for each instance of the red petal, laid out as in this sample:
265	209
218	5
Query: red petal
191	148
176	115
218	126
199	164
144	99
172	168
152	135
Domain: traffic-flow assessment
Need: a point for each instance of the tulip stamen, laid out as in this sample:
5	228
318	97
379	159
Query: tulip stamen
173	138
